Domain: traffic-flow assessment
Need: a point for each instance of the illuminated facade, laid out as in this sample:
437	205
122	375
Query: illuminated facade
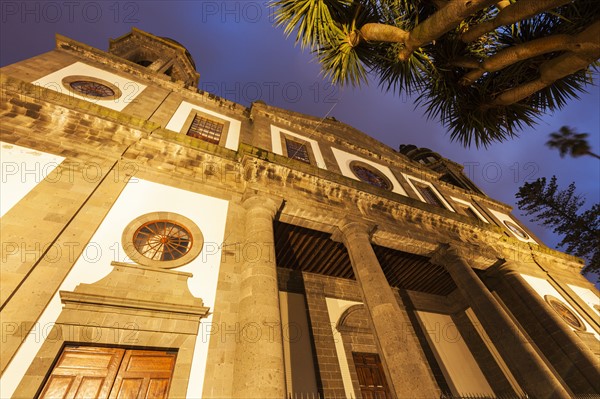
161	241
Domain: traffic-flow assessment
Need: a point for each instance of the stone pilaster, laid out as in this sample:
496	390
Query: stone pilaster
580	356
259	368
532	374
406	369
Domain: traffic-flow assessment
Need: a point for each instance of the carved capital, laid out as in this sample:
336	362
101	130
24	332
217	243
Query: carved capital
258	200
349	227
449	252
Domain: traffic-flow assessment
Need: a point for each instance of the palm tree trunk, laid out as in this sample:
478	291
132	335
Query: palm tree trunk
511	14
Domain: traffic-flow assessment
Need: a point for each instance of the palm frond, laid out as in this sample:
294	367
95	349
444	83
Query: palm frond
469	112
312	20
341	62
401	77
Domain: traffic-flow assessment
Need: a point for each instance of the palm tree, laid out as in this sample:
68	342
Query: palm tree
485	68
569	142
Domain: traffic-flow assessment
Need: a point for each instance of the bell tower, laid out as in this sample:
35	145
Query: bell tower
159	54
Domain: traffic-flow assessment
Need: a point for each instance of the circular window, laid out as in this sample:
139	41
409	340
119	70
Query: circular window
370	175
564	312
91	87
162	239
516	229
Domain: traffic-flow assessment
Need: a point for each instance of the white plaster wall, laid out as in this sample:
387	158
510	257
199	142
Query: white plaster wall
344	159
410	180
130	88
314	145
463	202
459	366
139	197
335	308
297	347
543	287
183	111
588	296
502	217
21	170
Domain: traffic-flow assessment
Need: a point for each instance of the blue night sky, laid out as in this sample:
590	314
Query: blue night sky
242	57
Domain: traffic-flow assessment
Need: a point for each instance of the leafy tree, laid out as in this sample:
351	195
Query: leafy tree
567	141
562	211
485	68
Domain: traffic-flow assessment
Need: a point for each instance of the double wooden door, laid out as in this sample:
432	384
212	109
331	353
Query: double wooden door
370	376
84	372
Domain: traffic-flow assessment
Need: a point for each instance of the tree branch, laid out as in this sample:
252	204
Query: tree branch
591	154
550	72
526	50
374	32
465	62
443	20
557	68
439	3
502	4
511	14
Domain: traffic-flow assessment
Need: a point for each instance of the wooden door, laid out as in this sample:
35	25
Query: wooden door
144	374
83	372
95	372
370	376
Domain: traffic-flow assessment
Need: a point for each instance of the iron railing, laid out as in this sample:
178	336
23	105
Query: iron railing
316	395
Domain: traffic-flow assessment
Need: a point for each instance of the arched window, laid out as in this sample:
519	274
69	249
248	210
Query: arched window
370	175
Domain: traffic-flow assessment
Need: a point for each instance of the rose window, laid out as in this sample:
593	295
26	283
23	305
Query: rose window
93	89
162	240
370	175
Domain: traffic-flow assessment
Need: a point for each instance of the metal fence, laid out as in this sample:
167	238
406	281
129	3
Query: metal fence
480	396
304	395
316	395
512	396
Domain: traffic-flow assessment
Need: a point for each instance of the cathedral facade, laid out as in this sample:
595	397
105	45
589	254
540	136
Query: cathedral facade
159	241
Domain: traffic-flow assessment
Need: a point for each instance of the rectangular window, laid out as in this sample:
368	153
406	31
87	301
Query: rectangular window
296	150
470	212
429	196
469	209
206	129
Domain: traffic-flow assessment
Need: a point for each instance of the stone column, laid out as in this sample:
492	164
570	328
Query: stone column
259	367
581	357
406	368
532	374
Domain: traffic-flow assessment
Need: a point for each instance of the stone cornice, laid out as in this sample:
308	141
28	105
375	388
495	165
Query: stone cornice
390	157
283	169
127	303
127	287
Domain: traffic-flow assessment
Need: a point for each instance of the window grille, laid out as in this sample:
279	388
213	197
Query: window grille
206	129
429	195
297	151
